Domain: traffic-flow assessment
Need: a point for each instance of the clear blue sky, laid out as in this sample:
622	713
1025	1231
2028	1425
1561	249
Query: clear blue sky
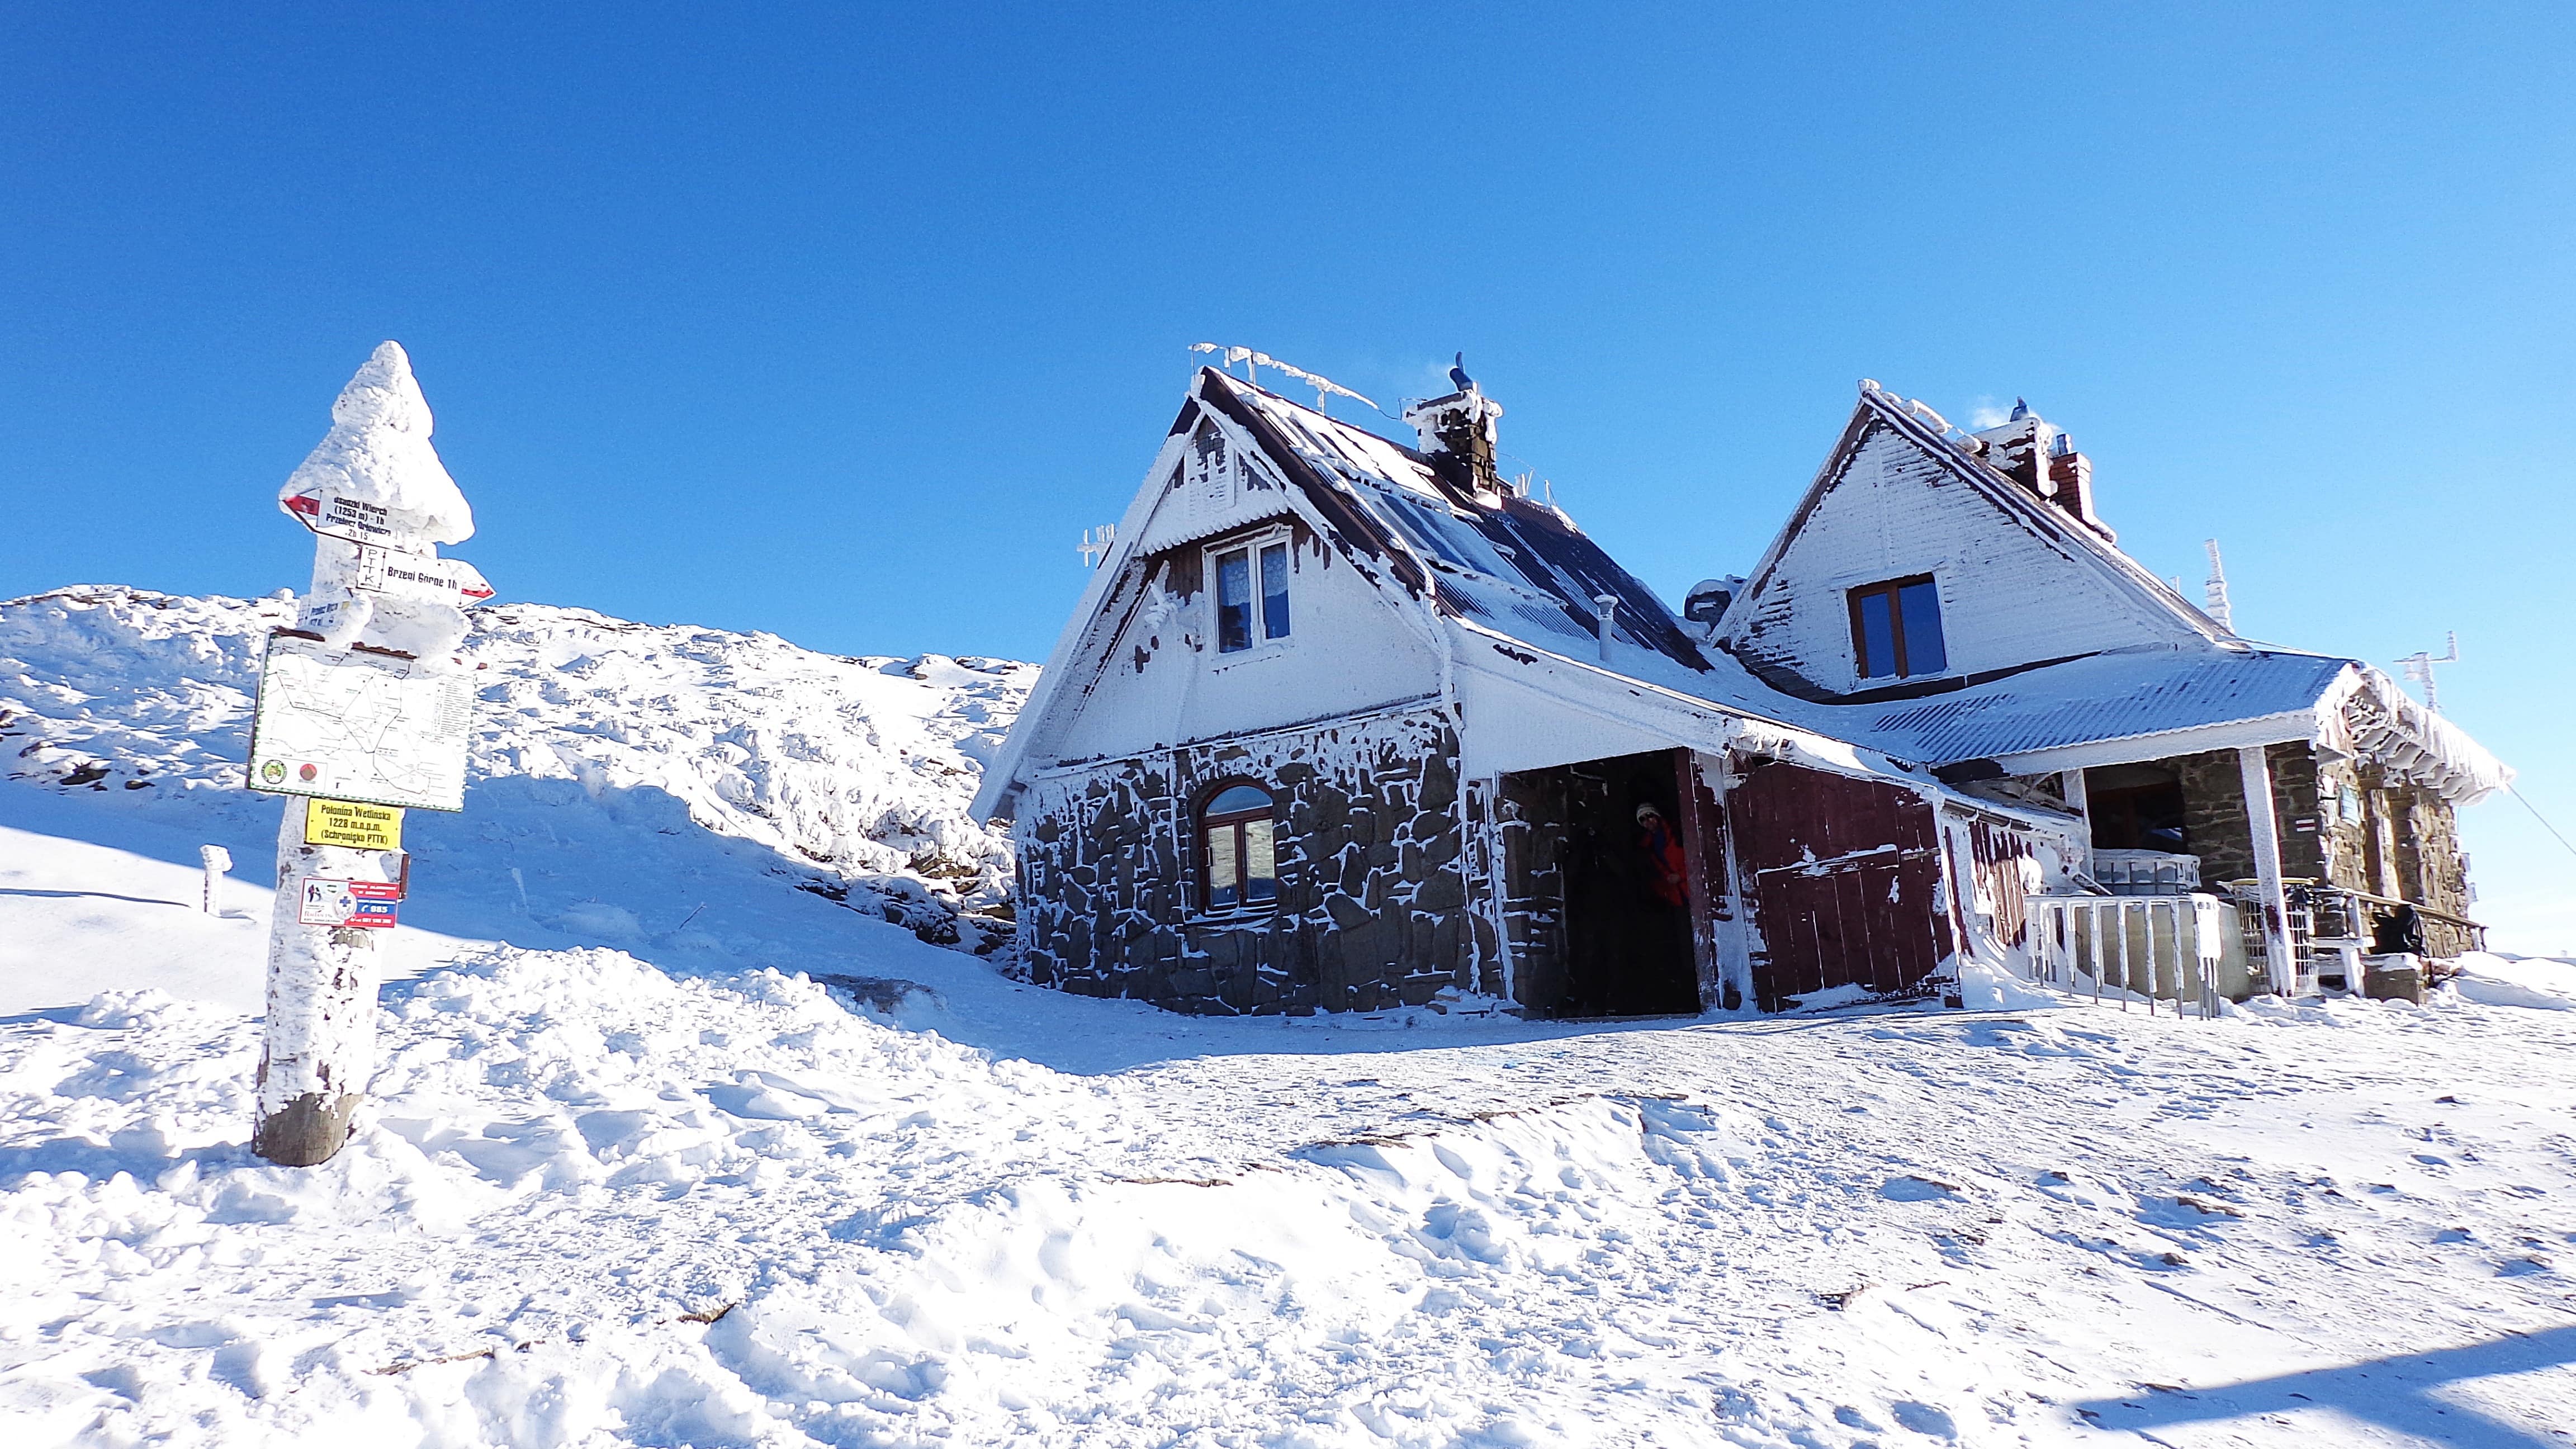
843	322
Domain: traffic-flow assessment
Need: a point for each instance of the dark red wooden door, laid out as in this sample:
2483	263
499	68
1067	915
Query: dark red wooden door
1844	879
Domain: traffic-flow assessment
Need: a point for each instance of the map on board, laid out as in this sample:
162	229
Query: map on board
349	724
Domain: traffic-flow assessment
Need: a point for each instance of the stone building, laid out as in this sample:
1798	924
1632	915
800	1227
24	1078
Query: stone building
1343	723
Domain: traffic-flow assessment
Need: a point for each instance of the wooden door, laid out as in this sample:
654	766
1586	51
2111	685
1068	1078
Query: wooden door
1844	880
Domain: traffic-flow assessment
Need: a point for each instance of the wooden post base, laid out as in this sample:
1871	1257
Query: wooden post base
307	1131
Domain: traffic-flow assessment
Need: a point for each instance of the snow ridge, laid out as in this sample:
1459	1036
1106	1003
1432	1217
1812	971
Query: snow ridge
864	768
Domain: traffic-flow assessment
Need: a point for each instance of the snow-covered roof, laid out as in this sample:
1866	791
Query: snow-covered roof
1503	565
1516	565
2106	697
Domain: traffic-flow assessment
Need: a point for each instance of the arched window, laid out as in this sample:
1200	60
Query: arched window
1237	847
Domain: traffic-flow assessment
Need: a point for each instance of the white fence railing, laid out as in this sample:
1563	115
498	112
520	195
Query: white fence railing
2155	948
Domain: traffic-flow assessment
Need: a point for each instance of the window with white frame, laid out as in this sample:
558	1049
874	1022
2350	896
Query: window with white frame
1250	582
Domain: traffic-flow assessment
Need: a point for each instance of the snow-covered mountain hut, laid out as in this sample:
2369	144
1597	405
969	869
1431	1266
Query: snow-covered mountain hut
1342	723
1956	599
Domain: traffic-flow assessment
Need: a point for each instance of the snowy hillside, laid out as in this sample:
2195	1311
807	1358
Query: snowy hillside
857	771
667	1145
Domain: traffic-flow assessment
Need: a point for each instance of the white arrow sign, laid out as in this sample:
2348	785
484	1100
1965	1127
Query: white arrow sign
333	516
420	576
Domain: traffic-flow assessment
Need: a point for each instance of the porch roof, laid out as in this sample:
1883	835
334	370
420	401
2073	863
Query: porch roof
2104	697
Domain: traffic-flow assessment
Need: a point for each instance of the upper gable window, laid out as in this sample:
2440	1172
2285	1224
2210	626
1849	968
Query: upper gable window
1896	629
1251	593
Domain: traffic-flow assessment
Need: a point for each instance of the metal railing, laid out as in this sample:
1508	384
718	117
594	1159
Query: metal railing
2332	927
2146	872
2153	948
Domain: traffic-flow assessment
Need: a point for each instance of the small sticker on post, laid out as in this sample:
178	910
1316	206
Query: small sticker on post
331	902
352	825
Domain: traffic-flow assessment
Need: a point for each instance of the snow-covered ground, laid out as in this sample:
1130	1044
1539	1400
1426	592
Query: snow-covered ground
638	1171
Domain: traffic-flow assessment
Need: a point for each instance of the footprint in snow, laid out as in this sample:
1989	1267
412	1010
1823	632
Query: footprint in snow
1915	1189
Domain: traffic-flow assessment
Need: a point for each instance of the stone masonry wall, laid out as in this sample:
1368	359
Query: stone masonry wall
1373	892
2213	804
1530	823
2388	837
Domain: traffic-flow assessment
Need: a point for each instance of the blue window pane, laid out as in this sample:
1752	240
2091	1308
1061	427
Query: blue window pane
1233	602
1877	636
1925	653
1274	591
1234	798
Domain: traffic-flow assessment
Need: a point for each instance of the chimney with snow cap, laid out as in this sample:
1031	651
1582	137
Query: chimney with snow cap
2043	459
1461	426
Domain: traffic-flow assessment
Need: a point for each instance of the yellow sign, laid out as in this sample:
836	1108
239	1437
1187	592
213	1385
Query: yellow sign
358	827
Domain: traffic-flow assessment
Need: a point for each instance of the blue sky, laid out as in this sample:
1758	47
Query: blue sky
844	322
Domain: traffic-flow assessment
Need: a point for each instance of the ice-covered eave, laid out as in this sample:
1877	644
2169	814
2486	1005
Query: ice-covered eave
2361	713
2365	713
2296	726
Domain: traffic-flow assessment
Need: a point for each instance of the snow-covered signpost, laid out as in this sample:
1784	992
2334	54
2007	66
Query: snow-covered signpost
216	860
363	712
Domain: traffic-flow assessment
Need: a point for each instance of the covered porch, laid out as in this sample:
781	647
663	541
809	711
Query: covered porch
2325	833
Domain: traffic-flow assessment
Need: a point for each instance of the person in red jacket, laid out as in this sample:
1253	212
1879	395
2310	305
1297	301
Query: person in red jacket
1662	849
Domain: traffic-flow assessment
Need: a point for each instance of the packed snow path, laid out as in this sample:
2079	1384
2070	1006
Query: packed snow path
630	1181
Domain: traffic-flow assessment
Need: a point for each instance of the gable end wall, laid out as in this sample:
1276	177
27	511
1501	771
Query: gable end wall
2014	589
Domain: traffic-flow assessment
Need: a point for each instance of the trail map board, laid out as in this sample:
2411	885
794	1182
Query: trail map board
347	724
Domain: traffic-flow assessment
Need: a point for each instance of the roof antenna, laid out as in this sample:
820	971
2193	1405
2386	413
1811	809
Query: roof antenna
1252	361
2419	667
1095	544
2214	593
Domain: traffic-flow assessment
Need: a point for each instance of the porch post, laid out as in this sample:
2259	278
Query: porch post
2256	772
1698	802
2071	783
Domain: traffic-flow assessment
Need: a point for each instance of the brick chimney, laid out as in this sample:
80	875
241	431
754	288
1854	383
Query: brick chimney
1461	427
2043	460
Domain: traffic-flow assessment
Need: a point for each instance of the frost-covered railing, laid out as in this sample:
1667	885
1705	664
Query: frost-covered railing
2157	948
2146	872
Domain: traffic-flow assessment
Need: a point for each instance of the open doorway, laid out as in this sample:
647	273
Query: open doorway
1600	882
2136	807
